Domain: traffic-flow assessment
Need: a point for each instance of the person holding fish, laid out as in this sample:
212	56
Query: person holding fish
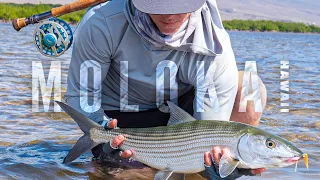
130	40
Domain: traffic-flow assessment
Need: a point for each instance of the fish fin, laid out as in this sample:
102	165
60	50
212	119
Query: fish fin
163	175
177	176
227	165
84	123
178	115
85	143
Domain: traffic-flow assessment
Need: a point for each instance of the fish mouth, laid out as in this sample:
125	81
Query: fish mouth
293	160
297	159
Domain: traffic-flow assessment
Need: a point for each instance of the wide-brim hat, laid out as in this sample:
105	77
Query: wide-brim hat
168	6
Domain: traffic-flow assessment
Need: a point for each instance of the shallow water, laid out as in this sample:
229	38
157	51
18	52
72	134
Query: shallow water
33	145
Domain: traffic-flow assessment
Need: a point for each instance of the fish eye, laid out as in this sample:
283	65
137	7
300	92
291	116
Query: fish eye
270	144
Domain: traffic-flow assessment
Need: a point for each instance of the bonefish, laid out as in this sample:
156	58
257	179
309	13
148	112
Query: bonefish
179	147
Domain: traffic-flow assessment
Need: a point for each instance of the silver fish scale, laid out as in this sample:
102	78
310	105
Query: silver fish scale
178	147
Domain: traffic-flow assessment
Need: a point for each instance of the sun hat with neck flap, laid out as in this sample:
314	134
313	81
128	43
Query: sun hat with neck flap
168	6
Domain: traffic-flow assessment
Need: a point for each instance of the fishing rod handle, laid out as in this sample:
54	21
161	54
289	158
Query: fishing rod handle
19	23
23	22
76	6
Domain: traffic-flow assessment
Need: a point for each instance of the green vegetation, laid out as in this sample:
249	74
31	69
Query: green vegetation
9	11
264	25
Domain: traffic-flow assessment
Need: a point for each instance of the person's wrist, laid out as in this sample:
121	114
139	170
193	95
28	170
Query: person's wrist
104	122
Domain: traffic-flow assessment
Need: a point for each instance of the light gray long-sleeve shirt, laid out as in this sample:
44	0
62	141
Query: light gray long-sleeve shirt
107	37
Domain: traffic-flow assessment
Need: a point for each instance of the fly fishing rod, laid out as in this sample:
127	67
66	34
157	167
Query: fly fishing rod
53	36
20	23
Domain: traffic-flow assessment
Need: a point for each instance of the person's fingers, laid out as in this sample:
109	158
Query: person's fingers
127	154
113	123
217	153
226	151
258	171
117	141
207	159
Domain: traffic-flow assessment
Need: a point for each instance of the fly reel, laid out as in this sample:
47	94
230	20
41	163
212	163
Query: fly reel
53	37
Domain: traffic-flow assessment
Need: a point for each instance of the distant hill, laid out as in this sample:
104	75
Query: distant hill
307	11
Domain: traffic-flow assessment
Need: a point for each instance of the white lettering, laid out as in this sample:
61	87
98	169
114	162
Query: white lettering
284	86
124	104
160	82
38	77
84	86
253	94
205	84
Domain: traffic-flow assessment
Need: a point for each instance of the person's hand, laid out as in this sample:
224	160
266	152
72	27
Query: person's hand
212	168
116	142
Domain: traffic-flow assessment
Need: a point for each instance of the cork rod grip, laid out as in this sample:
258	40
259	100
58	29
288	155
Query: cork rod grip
76	6
19	23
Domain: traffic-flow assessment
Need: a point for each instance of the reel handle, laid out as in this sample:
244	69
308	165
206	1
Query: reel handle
76	6
20	23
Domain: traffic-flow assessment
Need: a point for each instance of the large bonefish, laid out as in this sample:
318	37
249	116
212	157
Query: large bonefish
179	148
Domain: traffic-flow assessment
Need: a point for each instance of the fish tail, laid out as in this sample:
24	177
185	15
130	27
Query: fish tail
85	143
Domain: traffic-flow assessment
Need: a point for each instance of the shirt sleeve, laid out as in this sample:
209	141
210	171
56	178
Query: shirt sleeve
213	78
92	45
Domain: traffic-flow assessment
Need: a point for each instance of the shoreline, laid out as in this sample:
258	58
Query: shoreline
311	33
